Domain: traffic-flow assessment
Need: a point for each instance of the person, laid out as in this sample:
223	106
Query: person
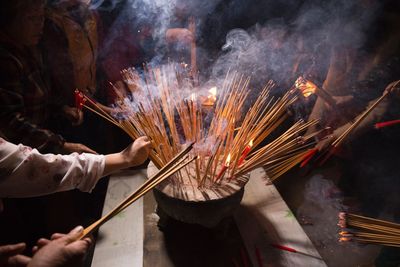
25	172
62	250
70	34
29	105
28	173
369	168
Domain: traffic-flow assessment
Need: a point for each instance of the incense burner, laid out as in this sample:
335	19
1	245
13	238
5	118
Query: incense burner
182	199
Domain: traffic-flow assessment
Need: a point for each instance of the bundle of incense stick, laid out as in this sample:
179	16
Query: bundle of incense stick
167	108
368	230
180	161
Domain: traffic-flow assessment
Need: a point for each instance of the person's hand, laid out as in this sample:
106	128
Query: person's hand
10	255
137	152
74	115
64	251
44	241
179	35
76	147
393	88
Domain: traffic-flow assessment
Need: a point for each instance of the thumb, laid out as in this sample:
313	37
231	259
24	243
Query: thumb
72	236
11	250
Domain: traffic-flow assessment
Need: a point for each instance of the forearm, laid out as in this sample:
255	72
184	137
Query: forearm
115	162
27	173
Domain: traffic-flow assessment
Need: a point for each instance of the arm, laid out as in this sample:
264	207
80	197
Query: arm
25	172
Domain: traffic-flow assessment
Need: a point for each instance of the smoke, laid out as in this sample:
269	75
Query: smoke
148	20
284	48
322	203
277	40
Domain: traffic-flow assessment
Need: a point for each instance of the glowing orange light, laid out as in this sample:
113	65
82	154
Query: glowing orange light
251	143
228	160
245	152
212	97
305	86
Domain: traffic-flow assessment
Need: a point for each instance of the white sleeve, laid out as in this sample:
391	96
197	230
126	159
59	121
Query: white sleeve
24	172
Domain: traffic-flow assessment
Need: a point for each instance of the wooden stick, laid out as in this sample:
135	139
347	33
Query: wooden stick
193	56
341	138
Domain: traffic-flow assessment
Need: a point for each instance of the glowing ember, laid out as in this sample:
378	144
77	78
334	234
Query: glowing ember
246	151
344	239
211	98
228	160
306	87
193	97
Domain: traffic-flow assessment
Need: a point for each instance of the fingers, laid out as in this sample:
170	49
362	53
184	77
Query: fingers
78	117
392	87
143	138
85	149
19	261
80	247
57	236
73	235
146	141
11	250
39	244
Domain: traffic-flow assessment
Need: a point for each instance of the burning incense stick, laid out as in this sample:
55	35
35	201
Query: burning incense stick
169	117
368	230
308	88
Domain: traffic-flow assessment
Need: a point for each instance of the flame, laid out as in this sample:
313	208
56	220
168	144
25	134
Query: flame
213	91
228	160
193	97
306	87
251	143
212	97
344	239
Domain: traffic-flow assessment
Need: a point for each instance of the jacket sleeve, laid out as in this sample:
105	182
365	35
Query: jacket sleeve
25	172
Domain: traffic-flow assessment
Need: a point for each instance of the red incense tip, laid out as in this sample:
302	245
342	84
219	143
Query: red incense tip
308	157
380	125
284	248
